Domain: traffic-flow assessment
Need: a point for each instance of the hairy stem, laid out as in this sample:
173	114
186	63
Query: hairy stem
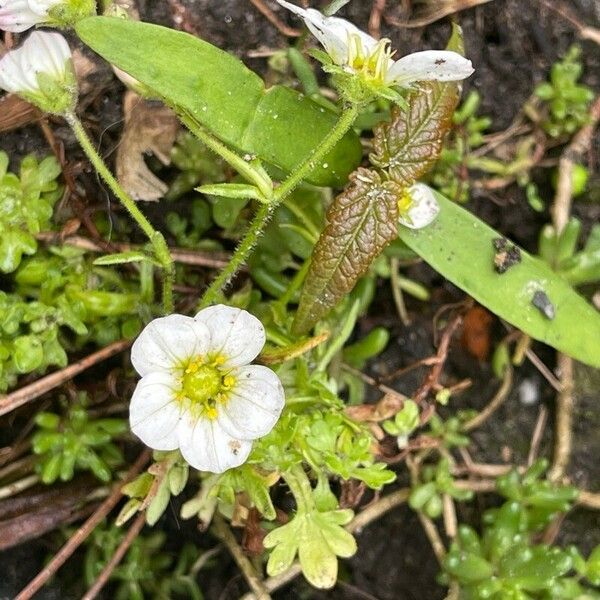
159	244
263	215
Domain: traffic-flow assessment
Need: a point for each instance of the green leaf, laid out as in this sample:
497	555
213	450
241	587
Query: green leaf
360	223
459	246
121	258
223	95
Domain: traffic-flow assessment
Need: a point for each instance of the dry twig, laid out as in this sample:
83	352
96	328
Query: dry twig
116	558
257	585
561	210
36	389
83	532
274	19
497	401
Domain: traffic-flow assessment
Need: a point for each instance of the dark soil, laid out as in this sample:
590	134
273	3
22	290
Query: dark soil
512	44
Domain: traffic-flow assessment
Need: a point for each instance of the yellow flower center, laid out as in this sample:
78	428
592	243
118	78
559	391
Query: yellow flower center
372	66
205	385
405	201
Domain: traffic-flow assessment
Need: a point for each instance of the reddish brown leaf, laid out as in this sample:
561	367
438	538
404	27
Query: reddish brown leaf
360	223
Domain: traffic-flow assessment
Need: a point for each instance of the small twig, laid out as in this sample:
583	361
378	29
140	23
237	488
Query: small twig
446	9
497	401
257	585
450	520
375	18
433	535
442	354
584	31
536	437
36	389
274	19
378	509
18	486
214	260
545	372
83	532
116	558
589	499
561	210
565	403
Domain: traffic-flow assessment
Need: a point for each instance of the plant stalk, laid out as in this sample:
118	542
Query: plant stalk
265	212
159	244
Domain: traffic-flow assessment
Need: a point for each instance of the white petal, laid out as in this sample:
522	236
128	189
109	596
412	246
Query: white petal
41	7
234	333
168	341
154	414
255	403
206	447
42	52
440	65
332	32
423	210
16	16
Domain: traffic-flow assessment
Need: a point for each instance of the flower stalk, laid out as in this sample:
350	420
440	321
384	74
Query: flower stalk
157	240
265	212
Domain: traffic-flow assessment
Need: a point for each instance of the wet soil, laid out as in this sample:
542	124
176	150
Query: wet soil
512	45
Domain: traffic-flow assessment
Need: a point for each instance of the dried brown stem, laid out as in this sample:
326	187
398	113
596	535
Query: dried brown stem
83	532
584	31
257	585
561	210
274	19
36	389
116	558
497	401
439	11
213	260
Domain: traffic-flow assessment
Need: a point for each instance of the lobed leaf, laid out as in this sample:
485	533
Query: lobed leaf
360	223
460	247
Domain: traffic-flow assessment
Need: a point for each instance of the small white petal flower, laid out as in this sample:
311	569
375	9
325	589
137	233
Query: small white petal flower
358	52
41	71
198	391
418	208
20	15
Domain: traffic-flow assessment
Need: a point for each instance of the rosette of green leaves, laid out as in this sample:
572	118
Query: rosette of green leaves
26	202
30	336
505	562
436	481
76	442
98	303
566	99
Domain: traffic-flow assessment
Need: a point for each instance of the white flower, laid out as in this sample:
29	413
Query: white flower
357	52
418	207
41	71
198	392
20	15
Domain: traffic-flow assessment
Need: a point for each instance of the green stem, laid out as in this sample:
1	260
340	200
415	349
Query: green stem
299	485
258	177
263	215
159	244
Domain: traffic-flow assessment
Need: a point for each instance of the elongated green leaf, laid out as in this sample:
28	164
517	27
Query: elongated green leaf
360	223
460	247
279	125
